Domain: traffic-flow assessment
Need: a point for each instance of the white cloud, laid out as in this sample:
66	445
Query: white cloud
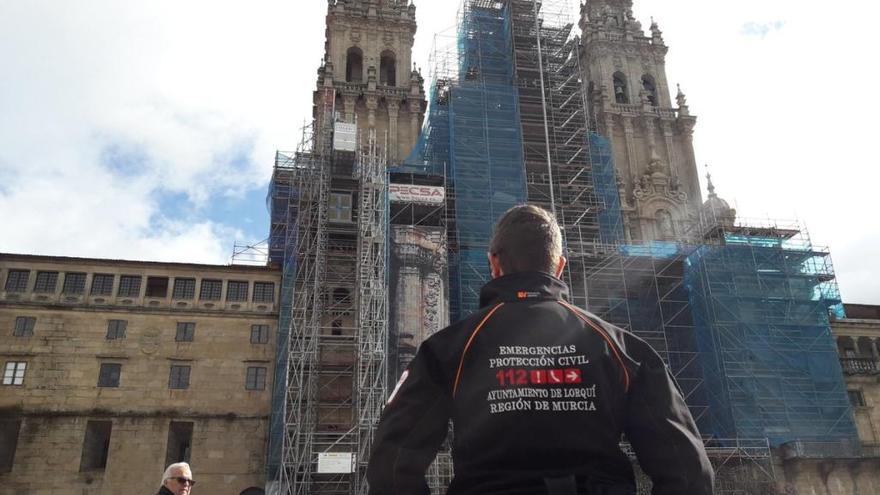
761	29
108	106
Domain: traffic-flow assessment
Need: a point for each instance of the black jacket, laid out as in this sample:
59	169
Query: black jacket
537	389
164	491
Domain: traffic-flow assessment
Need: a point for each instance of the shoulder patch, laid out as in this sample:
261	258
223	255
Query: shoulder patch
403	378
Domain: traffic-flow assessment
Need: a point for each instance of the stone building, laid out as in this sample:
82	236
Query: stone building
368	63
820	468
651	135
114	369
858	343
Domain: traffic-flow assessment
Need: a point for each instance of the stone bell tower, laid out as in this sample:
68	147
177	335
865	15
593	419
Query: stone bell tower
368	62
651	135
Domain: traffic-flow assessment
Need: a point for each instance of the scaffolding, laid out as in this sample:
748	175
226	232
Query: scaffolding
568	168
761	297
641	288
474	105
372	309
329	232
297	193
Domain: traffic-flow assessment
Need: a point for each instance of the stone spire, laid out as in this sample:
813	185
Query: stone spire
710	187
656	33
682	102
716	211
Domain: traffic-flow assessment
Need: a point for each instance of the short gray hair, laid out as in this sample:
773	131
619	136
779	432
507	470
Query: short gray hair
170	469
527	238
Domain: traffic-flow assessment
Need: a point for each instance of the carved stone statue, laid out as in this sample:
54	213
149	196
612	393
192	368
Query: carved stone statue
664	223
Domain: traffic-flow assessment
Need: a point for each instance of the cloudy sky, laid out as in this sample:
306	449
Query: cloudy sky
147	130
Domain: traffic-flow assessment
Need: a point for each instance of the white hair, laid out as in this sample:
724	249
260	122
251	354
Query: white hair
170	469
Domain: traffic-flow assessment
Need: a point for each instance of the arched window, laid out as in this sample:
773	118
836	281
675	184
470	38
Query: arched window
650	87
846	347
354	65
388	69
864	348
621	93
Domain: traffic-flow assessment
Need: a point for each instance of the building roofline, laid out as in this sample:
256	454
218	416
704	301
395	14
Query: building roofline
72	259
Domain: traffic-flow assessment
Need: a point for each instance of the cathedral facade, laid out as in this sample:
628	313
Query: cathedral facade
651	133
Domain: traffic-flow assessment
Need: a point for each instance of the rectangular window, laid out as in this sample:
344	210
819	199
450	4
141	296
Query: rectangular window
24	326
186	331
102	284
236	290
184	288
129	286
96	446
179	378
74	283
211	290
179	442
109	375
157	287
256	378
259	334
116	329
14	373
264	292
17	280
9	429
856	398
46	282
340	207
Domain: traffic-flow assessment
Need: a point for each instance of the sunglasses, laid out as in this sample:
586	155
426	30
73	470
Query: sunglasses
184	481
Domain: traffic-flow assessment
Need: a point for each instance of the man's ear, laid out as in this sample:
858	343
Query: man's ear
494	265
560	266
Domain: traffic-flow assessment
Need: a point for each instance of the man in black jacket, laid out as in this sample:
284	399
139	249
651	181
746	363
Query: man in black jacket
539	392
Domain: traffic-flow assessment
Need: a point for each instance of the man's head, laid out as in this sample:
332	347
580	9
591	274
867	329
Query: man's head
178	478
526	238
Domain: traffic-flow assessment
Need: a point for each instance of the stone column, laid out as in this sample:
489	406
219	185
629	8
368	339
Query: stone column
609	130
650	138
671	154
349	102
372	105
693	183
415	108
393	113
629	135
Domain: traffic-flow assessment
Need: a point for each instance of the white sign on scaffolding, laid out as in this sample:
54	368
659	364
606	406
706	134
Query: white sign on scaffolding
344	136
410	193
335	463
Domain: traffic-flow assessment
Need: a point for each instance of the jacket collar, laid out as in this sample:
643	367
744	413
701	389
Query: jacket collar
164	491
523	286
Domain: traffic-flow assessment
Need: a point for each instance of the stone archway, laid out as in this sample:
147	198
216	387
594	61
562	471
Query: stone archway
253	491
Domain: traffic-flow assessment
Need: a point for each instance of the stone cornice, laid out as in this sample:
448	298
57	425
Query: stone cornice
593	42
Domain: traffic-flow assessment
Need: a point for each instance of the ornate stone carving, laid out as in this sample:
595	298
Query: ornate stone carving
655	183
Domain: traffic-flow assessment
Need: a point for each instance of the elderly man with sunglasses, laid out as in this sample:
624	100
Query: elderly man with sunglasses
177	480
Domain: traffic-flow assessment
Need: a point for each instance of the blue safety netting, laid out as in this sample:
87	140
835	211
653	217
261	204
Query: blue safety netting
761	312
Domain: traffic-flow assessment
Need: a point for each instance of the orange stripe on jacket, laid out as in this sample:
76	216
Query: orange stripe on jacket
607	339
468	346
